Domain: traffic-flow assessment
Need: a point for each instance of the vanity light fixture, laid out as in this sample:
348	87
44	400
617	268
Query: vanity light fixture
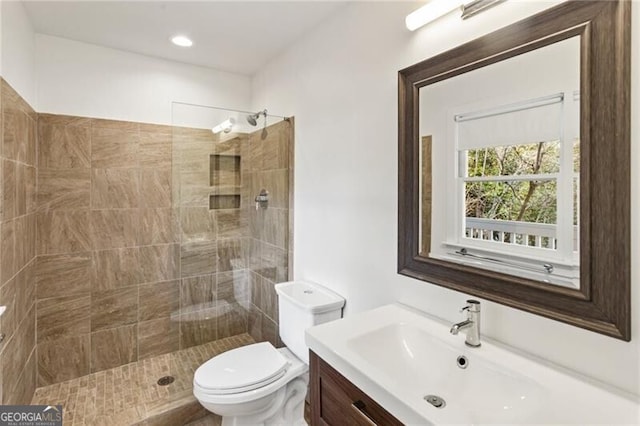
182	41
225	126
437	8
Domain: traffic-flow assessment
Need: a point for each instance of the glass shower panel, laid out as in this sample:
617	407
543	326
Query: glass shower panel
233	249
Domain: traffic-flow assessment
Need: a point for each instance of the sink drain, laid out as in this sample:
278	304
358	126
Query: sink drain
435	400
166	380
462	362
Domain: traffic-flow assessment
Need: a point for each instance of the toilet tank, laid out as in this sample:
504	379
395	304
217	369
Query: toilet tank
303	304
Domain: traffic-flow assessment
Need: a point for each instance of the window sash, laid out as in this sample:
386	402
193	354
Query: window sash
565	105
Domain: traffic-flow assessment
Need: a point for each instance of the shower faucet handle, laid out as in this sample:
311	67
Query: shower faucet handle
262	199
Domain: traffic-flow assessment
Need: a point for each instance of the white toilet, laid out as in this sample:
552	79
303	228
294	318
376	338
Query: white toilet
259	384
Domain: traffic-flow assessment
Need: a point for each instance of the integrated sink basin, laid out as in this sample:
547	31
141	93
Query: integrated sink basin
480	388
412	366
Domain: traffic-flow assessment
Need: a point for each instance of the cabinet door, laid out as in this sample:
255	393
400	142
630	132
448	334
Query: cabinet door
335	401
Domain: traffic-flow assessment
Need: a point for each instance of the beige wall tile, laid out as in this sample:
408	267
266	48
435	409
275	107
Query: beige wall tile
15	354
155	190
10	318
158	226
232	255
157	337
25	289
270	331
256	159
277	183
269	304
14	132
63	120
113	347
21	190
64	189
114	308
60	317
22	245
63	232
26	384
255	286
198	327
159	263
254	323
115	228
155	150
275	228
64	275
198	258
31	235
195	196
159	300
155	128
232	223
234	287
128	126
31	142
9	184
273	263
196	292
114	148
31	189
116	268
115	188
197	224
232	320
62	146
63	359
8	262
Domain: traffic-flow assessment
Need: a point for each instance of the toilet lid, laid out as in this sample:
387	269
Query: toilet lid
241	369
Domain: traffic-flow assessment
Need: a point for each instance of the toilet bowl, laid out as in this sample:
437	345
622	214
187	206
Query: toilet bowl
259	384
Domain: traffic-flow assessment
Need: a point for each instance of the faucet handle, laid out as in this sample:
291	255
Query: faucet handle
472	306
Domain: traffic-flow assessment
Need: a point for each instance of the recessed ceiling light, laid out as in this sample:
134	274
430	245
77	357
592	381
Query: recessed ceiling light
182	41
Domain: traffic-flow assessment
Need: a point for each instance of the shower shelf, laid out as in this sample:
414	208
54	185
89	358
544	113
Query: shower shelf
226	201
225	170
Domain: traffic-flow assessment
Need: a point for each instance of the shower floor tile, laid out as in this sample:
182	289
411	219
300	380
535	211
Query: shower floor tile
130	394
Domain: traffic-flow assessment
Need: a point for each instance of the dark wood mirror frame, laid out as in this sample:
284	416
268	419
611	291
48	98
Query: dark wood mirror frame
602	304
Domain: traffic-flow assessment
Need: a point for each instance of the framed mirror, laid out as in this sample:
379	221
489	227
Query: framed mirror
514	166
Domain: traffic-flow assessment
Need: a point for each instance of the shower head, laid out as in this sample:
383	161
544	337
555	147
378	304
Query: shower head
253	118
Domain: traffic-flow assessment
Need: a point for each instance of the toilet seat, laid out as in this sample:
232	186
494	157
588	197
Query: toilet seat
295	367
237	371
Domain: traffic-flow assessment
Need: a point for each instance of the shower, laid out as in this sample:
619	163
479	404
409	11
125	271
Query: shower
253	118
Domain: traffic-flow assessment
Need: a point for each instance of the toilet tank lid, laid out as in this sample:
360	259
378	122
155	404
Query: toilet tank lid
310	296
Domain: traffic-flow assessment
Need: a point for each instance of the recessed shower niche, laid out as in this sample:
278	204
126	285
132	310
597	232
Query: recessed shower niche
225	169
225	172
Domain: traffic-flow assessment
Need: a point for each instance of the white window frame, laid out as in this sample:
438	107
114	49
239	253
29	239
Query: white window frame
522	260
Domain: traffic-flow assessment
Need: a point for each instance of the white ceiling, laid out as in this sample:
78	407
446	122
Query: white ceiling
236	36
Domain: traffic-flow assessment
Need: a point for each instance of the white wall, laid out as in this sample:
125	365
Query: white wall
340	82
18	50
87	80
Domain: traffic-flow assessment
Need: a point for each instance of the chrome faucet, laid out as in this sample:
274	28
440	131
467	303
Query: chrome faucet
472	324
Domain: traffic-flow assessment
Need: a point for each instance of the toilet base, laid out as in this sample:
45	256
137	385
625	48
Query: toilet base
287	407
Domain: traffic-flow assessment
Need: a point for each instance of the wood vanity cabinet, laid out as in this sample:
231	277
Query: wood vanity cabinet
335	401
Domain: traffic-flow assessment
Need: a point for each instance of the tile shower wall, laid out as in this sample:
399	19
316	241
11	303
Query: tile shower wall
17	247
140	252
108	288
271	168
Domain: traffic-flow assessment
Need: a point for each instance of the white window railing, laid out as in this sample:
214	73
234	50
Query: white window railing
529	234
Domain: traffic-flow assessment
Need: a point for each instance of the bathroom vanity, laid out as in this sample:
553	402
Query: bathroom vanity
397	365
335	400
